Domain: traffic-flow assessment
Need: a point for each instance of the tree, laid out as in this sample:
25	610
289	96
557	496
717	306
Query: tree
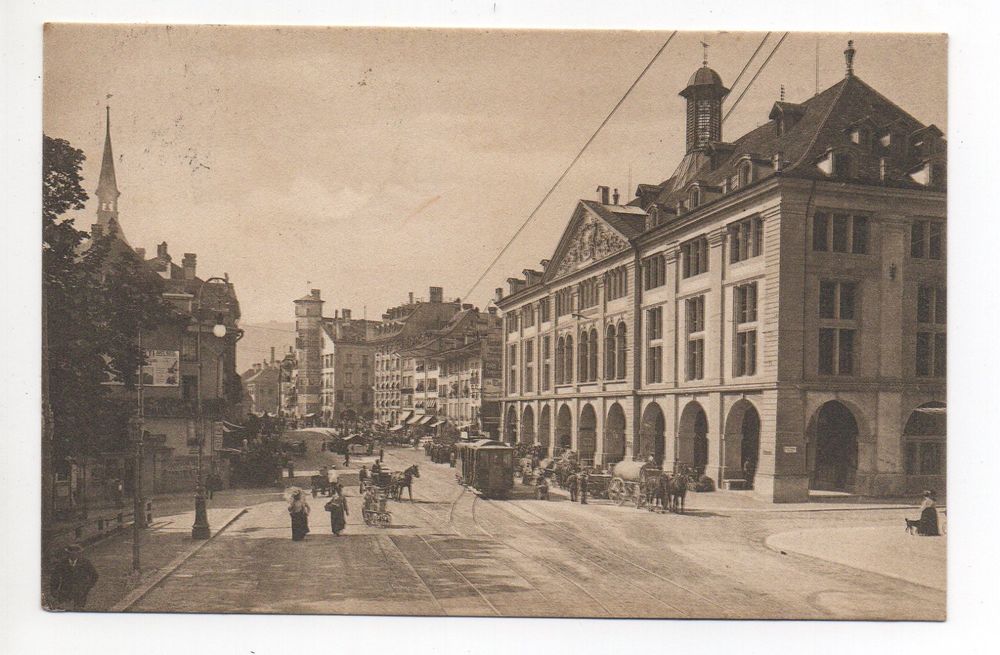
97	295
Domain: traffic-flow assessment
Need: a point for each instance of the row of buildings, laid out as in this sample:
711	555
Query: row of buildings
772	314
429	363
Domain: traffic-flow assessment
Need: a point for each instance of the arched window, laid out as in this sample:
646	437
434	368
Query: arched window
560	359
609	353
621	345
593	354
582	367
568	373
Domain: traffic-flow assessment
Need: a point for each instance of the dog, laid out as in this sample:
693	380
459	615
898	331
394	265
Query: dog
912	525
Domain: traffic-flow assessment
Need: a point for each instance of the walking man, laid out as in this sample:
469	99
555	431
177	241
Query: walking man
72	579
362	476
347	457
571	481
583	478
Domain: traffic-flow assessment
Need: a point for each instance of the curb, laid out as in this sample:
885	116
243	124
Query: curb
137	594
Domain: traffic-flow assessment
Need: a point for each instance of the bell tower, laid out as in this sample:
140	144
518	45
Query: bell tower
704	94
107	187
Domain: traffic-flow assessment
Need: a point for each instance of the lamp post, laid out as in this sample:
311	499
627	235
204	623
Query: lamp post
201	529
136	432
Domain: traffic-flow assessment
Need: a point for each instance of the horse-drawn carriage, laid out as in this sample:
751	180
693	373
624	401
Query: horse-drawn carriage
376	491
647	486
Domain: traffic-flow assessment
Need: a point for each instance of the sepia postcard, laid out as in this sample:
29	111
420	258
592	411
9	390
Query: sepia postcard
494	323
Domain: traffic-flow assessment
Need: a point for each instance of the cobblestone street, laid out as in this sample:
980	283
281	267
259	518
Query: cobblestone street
453	553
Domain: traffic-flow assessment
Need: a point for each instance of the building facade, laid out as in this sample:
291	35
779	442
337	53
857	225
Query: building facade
190	383
396	375
772	314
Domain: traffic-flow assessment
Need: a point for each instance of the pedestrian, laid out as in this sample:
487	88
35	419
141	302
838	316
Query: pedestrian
298	509
347	457
291	468
72	579
571	482
337	506
583	478
381	454
362	476
928	526
332	480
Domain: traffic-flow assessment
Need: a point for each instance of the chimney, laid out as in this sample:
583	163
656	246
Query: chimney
141	252
161	251
602	194
315	294
336	313
544	263
467	305
614	197
778	161
346	313
272	354
410	301
437	294
189	264
498	294
492	310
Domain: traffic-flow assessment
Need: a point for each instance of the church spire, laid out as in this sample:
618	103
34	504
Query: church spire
107	187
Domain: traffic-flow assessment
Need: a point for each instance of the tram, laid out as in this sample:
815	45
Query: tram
486	466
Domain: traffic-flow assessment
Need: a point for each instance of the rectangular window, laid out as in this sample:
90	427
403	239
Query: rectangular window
927	240
694	256
654	364
745	362
859	236
837	300
615	283
841	224
544	307
546	366
512	369
695	359
529	365
564	301
925	304
827	299
695	310
836	351
745	298
821	228
827	348
528	316
744	239
654	272
654	323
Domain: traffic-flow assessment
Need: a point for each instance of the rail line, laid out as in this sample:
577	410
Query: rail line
591	544
413	569
462	575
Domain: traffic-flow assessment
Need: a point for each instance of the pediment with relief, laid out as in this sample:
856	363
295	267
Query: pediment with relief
591	240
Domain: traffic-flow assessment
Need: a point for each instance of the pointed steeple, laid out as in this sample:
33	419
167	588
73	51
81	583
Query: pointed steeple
107	186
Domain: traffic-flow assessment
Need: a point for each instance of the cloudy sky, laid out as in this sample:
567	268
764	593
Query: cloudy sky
371	163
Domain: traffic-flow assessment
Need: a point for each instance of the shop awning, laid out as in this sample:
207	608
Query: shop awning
425	420
436	422
396	428
405	418
413	419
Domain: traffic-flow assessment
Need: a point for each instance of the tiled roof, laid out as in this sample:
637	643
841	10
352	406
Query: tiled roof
628	220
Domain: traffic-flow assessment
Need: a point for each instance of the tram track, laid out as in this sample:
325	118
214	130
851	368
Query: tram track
461	575
628	561
544	563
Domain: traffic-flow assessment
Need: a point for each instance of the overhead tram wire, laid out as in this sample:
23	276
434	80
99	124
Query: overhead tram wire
754	78
571	164
739	77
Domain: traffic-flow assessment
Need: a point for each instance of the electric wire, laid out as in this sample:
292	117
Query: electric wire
571	164
739	77
754	78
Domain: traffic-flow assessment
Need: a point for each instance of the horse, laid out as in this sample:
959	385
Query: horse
678	490
404	479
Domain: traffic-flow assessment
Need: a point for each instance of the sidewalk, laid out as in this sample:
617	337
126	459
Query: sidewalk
163	543
887	551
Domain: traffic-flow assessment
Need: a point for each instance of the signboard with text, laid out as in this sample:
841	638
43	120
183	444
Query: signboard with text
162	369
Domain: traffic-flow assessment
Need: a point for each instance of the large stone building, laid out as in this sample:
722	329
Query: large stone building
262	387
334	364
178	438
402	327
775	306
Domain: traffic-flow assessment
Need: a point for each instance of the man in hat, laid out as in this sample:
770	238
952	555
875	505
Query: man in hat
72	579
928	516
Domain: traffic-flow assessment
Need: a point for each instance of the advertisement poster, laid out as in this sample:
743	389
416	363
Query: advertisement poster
162	369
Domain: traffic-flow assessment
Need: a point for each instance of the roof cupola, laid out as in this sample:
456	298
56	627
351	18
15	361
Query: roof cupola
704	94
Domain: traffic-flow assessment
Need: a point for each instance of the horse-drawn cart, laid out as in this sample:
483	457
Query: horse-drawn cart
376	493
634	482
598	485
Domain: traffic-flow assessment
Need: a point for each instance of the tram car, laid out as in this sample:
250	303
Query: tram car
486	466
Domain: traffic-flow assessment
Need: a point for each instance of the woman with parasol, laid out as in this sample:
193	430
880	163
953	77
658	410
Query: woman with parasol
298	509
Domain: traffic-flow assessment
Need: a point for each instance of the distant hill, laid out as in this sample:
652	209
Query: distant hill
259	338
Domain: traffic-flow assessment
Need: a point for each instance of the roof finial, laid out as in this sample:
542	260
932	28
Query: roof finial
849	57
782	93
704	54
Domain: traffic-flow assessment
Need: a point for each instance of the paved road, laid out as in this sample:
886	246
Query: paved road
453	553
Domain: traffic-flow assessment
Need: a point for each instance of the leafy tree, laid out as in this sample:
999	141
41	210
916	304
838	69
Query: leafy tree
97	295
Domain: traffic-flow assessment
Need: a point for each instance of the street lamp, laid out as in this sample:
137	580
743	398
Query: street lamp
201	529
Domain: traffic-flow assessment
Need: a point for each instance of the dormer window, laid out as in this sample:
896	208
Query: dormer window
694	197
725	186
859	136
837	163
745	174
